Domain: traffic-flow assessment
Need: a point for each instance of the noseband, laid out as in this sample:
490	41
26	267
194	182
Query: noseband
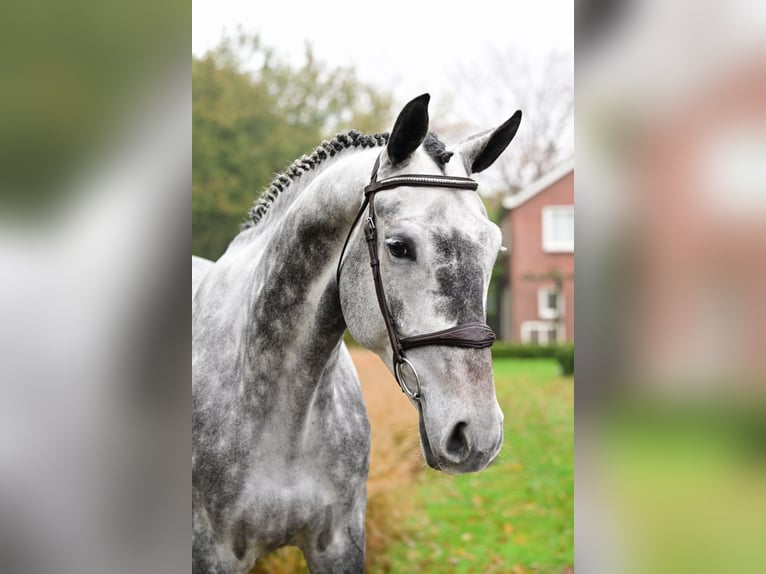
471	335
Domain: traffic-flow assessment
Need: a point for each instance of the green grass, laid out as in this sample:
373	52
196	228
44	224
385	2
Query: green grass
685	482
516	516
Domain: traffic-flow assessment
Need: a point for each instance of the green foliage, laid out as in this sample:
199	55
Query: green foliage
517	515
686	475
506	350
252	115
72	73
565	358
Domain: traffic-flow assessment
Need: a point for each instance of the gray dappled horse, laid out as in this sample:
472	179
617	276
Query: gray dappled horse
280	449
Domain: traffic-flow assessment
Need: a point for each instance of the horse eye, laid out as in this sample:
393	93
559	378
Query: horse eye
399	249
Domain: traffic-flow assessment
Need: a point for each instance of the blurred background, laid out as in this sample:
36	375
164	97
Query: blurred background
671	197
95	170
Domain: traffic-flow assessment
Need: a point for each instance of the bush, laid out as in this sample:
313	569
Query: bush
505	350
565	359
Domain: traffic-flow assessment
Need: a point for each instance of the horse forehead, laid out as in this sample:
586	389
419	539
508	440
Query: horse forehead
431	207
441	210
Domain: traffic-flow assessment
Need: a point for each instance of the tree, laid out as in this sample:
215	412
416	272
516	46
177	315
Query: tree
544	92
252	114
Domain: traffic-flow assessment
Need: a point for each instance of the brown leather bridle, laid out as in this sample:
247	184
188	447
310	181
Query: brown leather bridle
471	335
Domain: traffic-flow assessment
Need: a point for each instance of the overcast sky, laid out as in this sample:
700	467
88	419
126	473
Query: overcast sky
409	46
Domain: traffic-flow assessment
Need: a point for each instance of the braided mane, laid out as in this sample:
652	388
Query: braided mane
329	148
306	163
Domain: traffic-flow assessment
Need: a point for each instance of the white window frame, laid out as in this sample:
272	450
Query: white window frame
549	244
545	312
542	328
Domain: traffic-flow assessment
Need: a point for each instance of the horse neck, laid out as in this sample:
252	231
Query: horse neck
294	322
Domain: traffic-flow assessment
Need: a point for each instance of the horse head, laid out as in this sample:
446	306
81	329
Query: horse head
436	248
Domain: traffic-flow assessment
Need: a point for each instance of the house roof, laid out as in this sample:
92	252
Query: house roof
537	186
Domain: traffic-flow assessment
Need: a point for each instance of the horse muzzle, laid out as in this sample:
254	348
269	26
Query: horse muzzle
463	447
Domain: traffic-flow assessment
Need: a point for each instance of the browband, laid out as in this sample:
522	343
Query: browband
420	181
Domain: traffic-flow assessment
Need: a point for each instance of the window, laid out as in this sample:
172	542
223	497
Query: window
549	303
541	332
558	229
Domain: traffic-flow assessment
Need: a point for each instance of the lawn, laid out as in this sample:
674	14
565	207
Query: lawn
517	516
683	482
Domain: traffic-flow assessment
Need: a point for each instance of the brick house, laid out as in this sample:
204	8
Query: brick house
699	314
538	230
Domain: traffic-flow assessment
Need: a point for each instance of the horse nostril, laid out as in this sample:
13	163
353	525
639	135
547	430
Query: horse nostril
457	443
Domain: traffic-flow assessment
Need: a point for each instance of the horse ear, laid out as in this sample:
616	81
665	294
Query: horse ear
410	129
481	150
